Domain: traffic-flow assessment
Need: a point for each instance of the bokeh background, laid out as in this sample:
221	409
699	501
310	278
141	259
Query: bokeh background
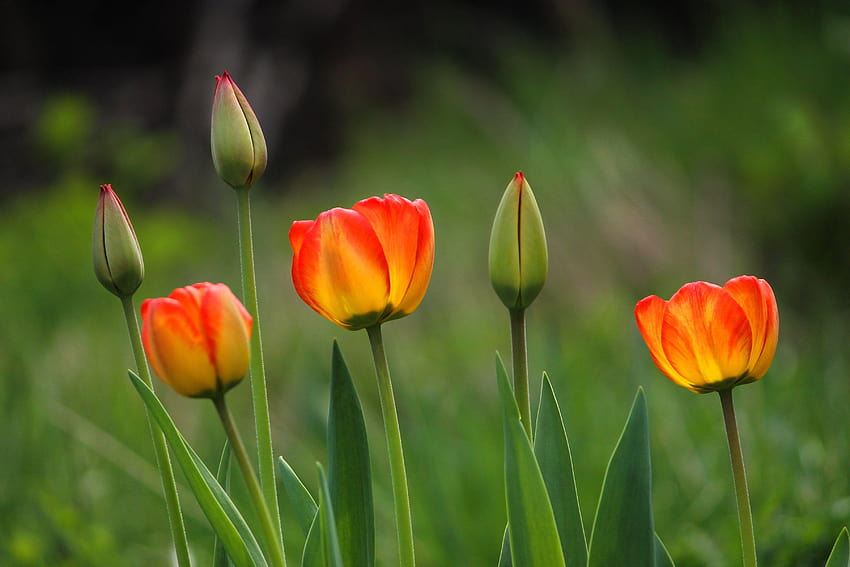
665	144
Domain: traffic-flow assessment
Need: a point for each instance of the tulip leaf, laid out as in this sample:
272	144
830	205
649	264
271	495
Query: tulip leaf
222	475
349	469
533	533
301	502
840	556
224	517
662	556
624	524
330	542
552	449
312	555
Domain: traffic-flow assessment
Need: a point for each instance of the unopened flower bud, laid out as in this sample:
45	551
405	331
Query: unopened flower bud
118	262
518	256
238	145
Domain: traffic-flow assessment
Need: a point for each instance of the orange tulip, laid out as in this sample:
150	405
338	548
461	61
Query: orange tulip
362	266
709	338
198	339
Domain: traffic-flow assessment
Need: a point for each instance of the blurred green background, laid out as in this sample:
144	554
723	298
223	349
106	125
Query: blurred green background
663	147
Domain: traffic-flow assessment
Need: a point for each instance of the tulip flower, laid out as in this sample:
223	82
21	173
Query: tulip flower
118	262
198	339
238	145
709	338
518	256
362	266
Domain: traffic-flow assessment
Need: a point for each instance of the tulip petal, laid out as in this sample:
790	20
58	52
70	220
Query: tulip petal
424	262
396	224
297	232
649	314
176	347
706	335
340	269
756	298
227	327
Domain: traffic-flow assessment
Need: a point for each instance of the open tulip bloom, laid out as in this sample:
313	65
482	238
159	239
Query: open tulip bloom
709	338
366	265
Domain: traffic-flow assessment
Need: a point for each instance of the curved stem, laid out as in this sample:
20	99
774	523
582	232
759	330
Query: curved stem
259	394
520	366
745	515
398	474
269	533
163	461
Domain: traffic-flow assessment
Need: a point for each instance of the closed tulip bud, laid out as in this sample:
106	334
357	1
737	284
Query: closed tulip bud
118	262
198	339
238	145
709	338
363	266
519	259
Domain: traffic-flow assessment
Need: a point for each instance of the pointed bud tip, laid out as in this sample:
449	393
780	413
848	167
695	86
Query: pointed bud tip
519	177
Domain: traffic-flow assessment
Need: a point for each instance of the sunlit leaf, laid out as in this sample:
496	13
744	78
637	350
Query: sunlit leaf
349	469
224	517
624	524
534	538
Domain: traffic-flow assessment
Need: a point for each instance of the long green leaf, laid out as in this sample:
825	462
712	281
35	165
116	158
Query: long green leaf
624	524
349	469
313	555
222	475
330	541
300	501
222	514
552	449
534	538
662	556
840	556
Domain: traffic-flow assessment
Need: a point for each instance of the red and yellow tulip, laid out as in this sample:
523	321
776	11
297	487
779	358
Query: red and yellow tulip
362	266
709	338
198	339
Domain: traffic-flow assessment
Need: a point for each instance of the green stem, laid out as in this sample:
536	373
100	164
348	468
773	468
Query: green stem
398	474
259	394
520	365
254	490
163	461
745	515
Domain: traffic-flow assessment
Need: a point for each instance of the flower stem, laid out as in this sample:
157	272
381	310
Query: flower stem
163	461
745	515
398	474
254	490
259	394
520	365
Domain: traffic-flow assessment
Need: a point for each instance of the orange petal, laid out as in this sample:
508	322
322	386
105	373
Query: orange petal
396	223
424	261
297	232
649	314
227	333
177	348
706	335
340	269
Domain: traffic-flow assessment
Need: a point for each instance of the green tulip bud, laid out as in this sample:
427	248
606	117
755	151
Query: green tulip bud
238	145
118	262
518	256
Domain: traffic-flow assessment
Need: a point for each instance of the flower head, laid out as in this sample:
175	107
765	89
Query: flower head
518	259
709	338
198	339
362	266
118	262
238	145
